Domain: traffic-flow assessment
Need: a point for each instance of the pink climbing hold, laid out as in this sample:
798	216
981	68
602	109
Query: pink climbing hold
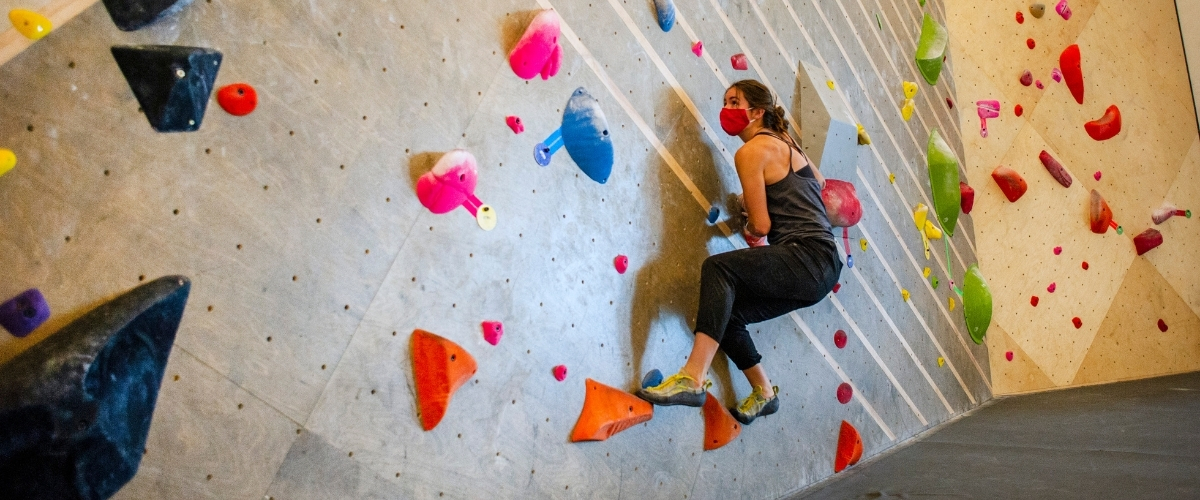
560	373
698	48
1056	74
1030	43
450	184
1096	175
1057	250
1026	78
1162	325
621	262
1038	84
844	393
492	331
538	51
1052	287
1166	211
839	339
1063	10
514	122
1147	241
1085	265
1033	301
1078	322
739	62
986	109
1008	355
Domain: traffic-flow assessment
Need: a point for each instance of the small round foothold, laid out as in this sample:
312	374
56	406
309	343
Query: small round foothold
1057	75
1020	17
1162	325
1052	287
621	263
904	294
560	373
493	331
829	83
1026	78
714	213
951	303
941	361
926	272
1038	84
1018	110
949	103
1008	355
862	242
698	48
844	393
892	178
1030	43
8	160
839	339
652	378
1057	250
29	23
238	99
1096	175
1033	301
836	287
486	217
934	282
514	123
1078	322
850	261
1085	265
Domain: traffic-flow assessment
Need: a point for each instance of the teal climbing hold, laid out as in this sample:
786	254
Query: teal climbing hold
931	49
977	304
943	178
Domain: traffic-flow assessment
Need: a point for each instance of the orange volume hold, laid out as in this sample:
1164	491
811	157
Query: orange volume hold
607	411
719	426
440	367
849	449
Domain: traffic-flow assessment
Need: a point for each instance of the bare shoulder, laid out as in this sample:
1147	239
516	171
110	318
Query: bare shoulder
754	153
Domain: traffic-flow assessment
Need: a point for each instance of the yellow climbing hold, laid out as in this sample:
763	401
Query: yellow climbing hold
29	23
926	273
829	83
907	110
8	160
863	243
951	303
863	138
910	90
904	293
941	361
892	178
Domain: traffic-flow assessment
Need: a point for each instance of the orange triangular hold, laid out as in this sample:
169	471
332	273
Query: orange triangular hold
440	367
849	448
607	411
719	426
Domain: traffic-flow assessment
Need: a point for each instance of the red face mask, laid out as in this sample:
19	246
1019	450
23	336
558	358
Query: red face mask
734	120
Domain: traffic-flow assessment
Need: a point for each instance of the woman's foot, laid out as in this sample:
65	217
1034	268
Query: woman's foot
678	389
756	405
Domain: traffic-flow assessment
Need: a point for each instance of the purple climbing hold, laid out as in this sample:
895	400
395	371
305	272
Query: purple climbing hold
21	315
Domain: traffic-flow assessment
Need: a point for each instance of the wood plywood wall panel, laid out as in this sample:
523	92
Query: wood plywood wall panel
1176	259
1019	375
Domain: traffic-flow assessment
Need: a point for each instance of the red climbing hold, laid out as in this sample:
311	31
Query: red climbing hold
720	428
844	393
1107	127
1052	287
739	62
949	103
621	262
1018	110
836	287
514	122
1147	241
1026	78
849	448
238	99
1008	355
1085	265
1072	71
607	411
440	367
839	339
966	197
1057	250
1030	43
1162	325
1033	301
1078	322
1020	17
1010	182
1096	175
492	331
560	373
1099	214
1056	169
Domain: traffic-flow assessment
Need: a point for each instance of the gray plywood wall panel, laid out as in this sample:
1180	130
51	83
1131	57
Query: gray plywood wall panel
307	323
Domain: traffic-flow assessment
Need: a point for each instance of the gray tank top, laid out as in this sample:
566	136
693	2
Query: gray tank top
794	204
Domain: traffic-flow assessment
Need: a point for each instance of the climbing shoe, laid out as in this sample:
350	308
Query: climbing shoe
755	405
676	390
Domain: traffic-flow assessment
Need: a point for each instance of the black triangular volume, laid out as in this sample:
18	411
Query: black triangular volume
131	15
171	83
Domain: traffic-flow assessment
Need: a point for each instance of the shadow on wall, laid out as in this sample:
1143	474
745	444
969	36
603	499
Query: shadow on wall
419	164
513	27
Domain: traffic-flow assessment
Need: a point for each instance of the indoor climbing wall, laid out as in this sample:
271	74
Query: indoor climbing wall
308	229
1075	307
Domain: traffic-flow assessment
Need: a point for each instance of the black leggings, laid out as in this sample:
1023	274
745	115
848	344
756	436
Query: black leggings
756	284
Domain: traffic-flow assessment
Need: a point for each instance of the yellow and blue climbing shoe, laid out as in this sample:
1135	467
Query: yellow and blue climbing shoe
678	389
755	405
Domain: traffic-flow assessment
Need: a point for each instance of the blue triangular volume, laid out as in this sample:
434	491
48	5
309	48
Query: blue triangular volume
172	83
130	15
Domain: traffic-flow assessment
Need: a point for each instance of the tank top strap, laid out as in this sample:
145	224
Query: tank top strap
792	145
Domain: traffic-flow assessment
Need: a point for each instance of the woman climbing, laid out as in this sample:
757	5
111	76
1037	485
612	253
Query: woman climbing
782	199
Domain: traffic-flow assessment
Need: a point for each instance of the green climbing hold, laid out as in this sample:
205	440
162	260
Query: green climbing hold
931	49
977	304
922	2
943	178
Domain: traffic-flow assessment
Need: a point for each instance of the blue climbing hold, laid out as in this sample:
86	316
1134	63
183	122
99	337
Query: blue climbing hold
849	260
652	378
584	133
714	213
666	14
23	314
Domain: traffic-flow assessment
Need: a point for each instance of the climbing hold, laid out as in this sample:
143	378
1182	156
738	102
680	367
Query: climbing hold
607	411
1057	250
714	213
1033	301
1096	175
1008	355
931	50
1057	75
1099	215
1052	287
1147	240
621	263
1056	169
862	242
844	393
29	23
1078	322
652	378
21	315
910	89
739	62
1037	10
934	281
1063	10
841	203
949	103
698	48
892	178
904	294
451	184
514	123
985	110
943	178
941	361
8	160
560	373
967	194
440	367
977	303
1018	110
492	331
1107	127
584	132
1010	182
1020	17
863	138
878	21
1162	326
538	51
720	428
925	226
926	272
1072	71
951	303
1166	211
829	83
849	447
1085	265
1026	78
666	14
130	15
839	339
238	99
906	111
1030	43
171	83
836	287
1038	84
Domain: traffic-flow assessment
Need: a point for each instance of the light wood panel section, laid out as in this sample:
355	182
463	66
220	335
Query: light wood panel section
1177	259
1016	376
